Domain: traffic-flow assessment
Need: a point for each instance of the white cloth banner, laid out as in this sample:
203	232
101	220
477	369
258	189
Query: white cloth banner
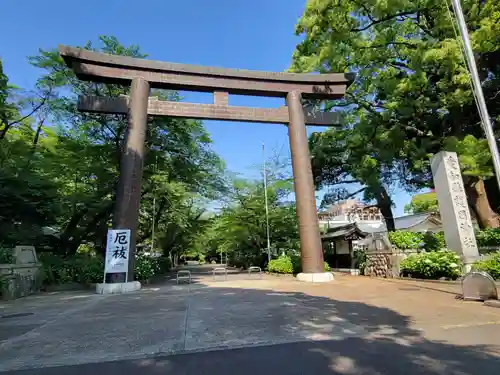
117	251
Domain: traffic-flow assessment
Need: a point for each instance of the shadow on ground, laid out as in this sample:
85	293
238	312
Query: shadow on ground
274	332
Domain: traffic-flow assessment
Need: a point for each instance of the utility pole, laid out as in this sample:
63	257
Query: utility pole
267	207
154	210
477	88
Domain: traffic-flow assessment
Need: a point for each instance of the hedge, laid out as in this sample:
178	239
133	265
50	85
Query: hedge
85	269
403	239
490	265
488	237
288	264
432	265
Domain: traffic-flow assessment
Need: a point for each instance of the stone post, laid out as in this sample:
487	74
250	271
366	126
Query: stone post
310	241
453	207
128	195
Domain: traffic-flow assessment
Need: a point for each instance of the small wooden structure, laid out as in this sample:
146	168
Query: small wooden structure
338	245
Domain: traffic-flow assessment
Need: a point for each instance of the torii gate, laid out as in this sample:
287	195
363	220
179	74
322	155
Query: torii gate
142	75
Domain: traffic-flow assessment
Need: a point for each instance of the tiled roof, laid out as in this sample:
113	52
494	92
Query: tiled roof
344	230
404	222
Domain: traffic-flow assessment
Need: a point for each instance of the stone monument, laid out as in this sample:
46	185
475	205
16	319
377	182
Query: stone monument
25	255
22	276
453	207
479	286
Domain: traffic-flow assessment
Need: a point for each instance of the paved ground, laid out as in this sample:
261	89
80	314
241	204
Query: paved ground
273	325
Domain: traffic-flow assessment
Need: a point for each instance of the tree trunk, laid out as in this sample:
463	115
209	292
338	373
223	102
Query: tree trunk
158	215
478	201
4	130
384	203
493	193
104	213
38	132
71	228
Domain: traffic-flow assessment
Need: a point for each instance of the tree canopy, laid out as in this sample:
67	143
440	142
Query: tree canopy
240	230
412	95
420	203
60	167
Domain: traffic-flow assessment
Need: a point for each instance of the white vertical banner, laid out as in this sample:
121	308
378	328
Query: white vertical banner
117	251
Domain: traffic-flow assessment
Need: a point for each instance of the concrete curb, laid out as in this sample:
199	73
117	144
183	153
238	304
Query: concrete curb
446	282
116	288
324	277
283	275
489	303
492	303
407	281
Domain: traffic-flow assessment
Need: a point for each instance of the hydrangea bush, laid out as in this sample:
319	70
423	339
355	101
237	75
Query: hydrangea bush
288	264
432	265
283	264
490	265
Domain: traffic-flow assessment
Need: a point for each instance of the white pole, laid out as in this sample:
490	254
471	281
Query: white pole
153	231
267	207
483	110
154	211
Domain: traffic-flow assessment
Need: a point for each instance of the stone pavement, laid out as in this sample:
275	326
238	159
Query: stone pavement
354	325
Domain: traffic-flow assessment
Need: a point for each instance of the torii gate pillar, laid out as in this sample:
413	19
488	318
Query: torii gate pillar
310	241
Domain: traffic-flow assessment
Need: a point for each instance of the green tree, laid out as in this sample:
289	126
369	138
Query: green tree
239	230
343	156
29	196
476	166
426	202
412	90
73	159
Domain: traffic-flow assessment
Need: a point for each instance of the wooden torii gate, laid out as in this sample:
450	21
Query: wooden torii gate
142	75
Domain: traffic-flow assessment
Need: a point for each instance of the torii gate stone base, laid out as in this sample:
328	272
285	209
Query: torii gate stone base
142	75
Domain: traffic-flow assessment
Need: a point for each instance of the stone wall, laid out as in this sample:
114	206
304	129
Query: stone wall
23	277
384	263
19	280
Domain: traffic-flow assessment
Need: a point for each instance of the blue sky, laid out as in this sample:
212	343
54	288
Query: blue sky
257	34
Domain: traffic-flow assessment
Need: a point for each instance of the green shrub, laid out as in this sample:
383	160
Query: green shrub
6	256
86	249
164	265
432	265
281	265
289	264
490	265
89	270
3	284
85	269
201	258
360	261
488	237
434	241
296	263
82	269
403	239
145	268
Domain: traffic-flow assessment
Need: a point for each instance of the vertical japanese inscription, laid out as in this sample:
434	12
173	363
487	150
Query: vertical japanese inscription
117	251
460	202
